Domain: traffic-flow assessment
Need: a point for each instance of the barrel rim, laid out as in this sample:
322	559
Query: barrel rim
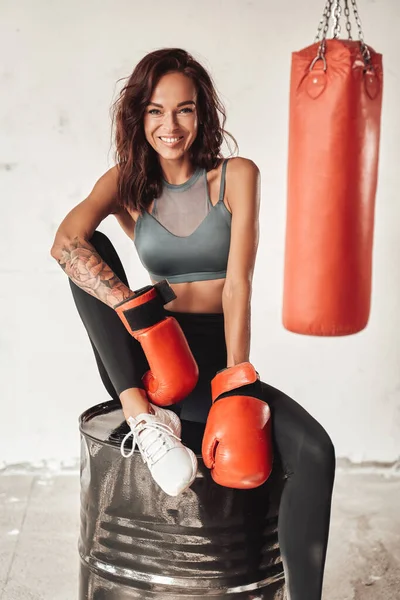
102	408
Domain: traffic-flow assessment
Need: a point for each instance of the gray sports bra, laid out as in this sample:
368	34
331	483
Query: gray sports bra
185	238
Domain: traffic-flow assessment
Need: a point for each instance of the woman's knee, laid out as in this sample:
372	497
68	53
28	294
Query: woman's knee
320	449
299	437
108	253
101	242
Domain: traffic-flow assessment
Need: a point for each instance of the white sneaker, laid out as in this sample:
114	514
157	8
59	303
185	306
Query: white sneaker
172	465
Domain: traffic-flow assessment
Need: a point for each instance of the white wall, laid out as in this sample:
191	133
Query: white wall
61	61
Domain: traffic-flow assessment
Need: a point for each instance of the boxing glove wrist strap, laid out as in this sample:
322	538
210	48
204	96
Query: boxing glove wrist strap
145	307
230	380
251	389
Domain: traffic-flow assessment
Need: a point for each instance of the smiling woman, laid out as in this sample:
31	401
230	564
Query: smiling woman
184	341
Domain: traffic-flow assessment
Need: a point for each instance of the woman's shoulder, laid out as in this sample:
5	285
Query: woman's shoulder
242	187
241	165
240	173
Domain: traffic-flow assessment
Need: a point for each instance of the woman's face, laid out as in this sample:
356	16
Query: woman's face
170	119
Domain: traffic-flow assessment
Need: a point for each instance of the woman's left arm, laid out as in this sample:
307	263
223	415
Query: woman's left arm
243	196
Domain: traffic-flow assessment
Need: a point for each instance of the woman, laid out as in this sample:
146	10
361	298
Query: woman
193	217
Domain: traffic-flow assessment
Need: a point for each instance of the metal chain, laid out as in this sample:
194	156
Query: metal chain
336	19
323	28
324	22
347	14
358	20
364	48
322	33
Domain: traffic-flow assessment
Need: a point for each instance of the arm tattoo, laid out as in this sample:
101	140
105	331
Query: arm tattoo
87	269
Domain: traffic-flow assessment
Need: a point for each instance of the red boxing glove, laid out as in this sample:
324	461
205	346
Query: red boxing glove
173	370
237	442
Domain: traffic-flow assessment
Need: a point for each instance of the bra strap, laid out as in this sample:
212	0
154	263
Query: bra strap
222	185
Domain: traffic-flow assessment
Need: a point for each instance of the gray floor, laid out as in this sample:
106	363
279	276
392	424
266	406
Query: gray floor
39	523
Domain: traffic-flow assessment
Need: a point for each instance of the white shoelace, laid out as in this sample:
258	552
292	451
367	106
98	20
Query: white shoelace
140	432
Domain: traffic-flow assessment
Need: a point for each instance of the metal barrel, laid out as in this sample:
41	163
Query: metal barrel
138	542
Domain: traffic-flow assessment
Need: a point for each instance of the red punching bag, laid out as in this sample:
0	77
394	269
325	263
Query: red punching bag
334	130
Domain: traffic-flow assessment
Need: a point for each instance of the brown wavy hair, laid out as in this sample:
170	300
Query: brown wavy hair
139	173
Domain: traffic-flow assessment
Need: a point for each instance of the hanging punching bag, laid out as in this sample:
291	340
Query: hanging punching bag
334	130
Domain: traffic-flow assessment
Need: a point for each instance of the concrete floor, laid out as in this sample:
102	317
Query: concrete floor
39	524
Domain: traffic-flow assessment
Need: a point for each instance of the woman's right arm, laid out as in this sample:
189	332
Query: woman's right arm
77	257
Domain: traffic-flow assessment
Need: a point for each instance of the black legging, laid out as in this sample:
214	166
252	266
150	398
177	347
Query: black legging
302	444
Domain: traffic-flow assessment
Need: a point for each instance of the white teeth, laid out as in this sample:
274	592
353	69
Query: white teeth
170	140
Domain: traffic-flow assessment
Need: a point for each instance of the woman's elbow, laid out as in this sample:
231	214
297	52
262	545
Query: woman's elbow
61	242
65	243
56	252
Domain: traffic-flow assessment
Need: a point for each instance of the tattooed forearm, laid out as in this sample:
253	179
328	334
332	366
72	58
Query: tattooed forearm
87	269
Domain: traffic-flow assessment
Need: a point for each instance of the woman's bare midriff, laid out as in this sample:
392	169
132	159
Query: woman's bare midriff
197	296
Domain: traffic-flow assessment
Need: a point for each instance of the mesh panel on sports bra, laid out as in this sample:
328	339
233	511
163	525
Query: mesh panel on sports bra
182	208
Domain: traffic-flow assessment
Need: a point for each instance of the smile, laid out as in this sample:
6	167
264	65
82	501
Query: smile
171	141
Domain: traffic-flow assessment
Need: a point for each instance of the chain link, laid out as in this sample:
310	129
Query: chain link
358	20
347	15
323	32
364	48
324	22
336	19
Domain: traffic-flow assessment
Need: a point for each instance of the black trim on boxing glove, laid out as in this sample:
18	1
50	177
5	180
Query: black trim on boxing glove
251	389
151	312
165	291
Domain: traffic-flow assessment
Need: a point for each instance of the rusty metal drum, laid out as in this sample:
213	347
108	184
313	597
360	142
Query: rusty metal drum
137	542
